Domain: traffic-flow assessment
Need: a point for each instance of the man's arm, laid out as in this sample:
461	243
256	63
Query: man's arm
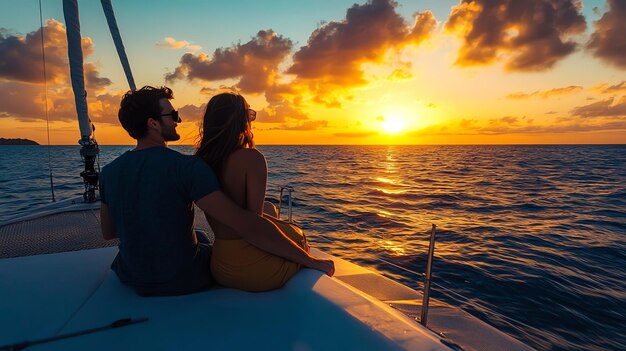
108	230
256	180
259	231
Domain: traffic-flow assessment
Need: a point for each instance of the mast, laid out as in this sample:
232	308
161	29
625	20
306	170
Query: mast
117	39
89	151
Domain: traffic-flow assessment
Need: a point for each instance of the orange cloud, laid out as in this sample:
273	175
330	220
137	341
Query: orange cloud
208	91
335	51
281	112
545	93
400	74
306	125
608	42
331	63
21	78
500	126
528	35
20	56
254	63
171	43
285	104
605	88
323	71
610	107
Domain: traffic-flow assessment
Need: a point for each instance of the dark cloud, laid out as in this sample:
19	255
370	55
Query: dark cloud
610	107
93	80
596	10
192	113
254	63
608	42
20	56
530	35
545	93
336	50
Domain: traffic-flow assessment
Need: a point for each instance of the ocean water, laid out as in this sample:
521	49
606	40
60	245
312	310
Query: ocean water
531	239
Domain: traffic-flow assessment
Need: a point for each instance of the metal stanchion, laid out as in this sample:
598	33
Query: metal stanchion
431	253
290	204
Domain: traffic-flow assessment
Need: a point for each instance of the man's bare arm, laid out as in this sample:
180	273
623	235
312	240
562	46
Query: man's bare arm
259	231
108	230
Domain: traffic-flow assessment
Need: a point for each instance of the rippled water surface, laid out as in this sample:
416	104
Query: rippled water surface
530	238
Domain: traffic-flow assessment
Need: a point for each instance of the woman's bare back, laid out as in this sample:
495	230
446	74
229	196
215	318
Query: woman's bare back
243	180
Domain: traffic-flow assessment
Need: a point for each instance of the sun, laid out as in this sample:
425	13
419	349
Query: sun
393	125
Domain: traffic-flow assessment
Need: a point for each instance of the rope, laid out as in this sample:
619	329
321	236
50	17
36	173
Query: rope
45	81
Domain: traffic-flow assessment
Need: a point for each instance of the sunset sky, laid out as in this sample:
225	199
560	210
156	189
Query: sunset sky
335	72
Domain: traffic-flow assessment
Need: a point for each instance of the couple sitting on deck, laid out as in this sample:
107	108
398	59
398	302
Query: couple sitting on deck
148	194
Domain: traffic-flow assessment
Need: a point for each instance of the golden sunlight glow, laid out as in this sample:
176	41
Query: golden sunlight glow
393	125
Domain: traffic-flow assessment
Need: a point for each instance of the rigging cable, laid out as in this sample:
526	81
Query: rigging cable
45	81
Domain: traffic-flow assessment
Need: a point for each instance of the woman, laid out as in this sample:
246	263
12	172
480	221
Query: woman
227	145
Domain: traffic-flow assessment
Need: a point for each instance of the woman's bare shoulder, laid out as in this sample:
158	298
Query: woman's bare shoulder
251	157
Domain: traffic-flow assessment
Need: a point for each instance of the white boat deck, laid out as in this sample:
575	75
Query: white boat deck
44	295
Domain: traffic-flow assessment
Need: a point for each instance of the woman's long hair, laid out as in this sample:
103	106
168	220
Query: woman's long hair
225	129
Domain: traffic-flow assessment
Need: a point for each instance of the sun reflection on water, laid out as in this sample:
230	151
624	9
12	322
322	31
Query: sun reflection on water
386	180
391	191
393	248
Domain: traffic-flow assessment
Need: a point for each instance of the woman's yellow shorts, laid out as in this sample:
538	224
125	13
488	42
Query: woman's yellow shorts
240	265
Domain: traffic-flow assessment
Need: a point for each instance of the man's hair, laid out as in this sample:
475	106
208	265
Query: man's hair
138	106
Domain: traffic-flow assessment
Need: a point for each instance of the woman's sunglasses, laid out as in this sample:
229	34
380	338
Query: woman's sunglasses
251	115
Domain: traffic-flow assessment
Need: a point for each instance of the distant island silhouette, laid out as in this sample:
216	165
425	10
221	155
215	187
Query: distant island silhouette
18	141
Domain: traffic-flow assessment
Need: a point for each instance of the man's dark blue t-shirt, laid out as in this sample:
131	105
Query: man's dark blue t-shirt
150	195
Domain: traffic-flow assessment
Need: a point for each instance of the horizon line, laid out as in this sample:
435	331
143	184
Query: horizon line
451	144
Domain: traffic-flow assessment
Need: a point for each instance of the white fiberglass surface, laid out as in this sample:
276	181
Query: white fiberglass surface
41	293
62	293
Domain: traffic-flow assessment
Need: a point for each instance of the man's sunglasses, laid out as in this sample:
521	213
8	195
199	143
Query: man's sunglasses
174	115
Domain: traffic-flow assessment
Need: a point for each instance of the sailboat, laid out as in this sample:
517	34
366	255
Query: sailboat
58	292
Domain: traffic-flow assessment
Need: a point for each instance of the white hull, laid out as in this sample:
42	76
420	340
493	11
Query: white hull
53	294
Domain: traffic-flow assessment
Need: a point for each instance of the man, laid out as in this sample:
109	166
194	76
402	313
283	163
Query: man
147	202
